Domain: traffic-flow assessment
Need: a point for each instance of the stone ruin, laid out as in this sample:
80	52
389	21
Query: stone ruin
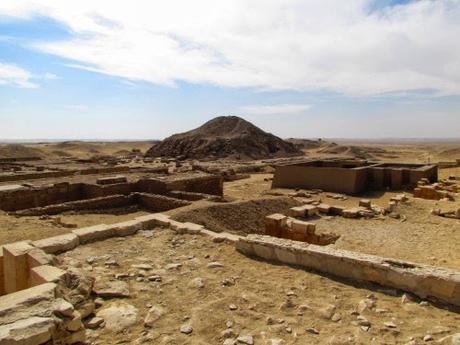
351	176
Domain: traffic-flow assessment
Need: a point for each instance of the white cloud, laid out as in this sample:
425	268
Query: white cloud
16	76
275	109
333	45
50	76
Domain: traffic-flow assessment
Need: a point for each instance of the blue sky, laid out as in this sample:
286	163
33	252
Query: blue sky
367	69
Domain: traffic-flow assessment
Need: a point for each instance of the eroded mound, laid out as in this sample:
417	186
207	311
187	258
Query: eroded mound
224	136
238	217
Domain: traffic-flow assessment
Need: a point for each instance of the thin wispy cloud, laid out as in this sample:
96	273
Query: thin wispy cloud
334	45
275	109
13	75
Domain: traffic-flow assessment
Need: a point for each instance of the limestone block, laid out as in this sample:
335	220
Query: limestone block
16	270
274	223
58	244
45	274
265	252
30	331
366	203
37	257
310	210
297	211
192	228
187	227
303	227
19	305
94	233
156	219
351	212
127	228
336	210
324	208
423	280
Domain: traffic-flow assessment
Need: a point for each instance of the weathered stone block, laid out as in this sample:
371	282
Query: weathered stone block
336	210
58	244
324	208
30	331
45	274
297	211
19	304
16	270
152	220
94	233
303	227
365	203
127	228
37	257
274	223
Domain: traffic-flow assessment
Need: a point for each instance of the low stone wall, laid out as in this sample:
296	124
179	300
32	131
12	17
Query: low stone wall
190	196
159	203
209	184
112	201
20	199
422	280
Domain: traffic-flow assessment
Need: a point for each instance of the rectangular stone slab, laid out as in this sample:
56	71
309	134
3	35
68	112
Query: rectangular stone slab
58	244
15	266
422	280
45	274
94	233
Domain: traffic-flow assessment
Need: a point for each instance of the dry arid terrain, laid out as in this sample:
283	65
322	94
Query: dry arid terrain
173	288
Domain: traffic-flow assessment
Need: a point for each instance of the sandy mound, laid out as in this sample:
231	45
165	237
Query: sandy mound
307	144
224	136
244	217
363	152
19	151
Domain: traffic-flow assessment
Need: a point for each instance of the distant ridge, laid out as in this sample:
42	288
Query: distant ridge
222	137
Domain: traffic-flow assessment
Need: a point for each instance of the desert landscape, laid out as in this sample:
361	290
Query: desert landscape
230	172
227	235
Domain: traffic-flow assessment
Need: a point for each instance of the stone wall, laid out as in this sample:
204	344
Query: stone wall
105	202
159	203
425	281
40	196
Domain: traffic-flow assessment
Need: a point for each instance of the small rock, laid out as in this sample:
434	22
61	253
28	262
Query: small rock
119	317
245	339
174	266
94	322
153	315
428	337
232	307
228	333
196	283
312	330
390	325
215	264
111	289
186	329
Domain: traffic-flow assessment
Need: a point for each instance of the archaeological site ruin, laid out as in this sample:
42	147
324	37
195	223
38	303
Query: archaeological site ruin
281	250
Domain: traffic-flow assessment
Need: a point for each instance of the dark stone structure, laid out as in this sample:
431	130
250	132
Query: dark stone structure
351	176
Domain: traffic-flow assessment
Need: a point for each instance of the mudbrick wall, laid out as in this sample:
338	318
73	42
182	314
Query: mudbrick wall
159	203
34	197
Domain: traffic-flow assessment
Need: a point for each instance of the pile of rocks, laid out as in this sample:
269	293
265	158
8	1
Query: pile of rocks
436	191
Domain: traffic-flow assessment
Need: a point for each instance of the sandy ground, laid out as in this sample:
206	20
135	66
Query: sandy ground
271	301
